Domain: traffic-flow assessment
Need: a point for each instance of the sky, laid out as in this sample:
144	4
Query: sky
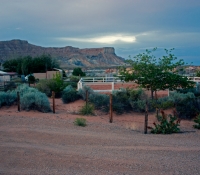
130	26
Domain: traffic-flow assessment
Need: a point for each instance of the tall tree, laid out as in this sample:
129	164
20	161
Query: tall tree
156	73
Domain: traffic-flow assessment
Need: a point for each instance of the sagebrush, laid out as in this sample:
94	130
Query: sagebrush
69	94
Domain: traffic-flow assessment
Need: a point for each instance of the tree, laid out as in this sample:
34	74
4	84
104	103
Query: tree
156	73
78	72
198	73
26	65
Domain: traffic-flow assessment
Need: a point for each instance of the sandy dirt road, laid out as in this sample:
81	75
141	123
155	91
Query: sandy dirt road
37	143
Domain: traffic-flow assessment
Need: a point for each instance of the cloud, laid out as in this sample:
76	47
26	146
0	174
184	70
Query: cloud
109	39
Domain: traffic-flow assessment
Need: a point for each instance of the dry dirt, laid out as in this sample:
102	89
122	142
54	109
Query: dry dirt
46	143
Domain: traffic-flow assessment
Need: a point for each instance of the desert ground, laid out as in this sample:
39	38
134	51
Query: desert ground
35	143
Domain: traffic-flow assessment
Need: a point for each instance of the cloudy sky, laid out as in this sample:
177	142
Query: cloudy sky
130	26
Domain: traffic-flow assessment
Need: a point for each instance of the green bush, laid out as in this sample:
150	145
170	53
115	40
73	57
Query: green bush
187	105
82	92
74	79
87	109
121	102
137	94
100	101
56	84
164	103
167	125
31	98
35	101
140	105
69	94
8	98
80	122
73	84
197	121
42	86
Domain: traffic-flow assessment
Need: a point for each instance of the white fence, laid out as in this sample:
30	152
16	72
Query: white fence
112	81
99	81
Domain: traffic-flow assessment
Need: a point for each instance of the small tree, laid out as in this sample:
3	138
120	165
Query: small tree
56	84
156	73
198	73
31	79
78	72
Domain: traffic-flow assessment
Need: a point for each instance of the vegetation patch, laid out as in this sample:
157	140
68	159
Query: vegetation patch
166	125
80	122
69	94
87	109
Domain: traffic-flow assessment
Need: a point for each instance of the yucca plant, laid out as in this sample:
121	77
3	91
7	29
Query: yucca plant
167	125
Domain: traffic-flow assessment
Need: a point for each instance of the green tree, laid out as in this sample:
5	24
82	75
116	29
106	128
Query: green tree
156	73
198	73
26	65
78	72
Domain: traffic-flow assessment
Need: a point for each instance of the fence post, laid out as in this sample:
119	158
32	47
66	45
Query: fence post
113	86
53	96
146	117
86	97
111	110
18	101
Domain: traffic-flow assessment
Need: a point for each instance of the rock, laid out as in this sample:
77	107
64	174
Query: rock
67	56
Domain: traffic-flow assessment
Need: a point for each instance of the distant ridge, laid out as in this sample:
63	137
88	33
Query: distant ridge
67	56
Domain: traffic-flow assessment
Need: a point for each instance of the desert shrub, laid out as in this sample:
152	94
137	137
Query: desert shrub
195	91
138	99
23	89
74	79
187	105
197	121
140	105
69	94
82	92
137	94
80	122
10	85
7	98
35	101
100	101
42	86
167	125
87	109
31	98
164	103
121	101
73	84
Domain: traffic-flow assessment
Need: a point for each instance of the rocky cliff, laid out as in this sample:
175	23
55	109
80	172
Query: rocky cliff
67	56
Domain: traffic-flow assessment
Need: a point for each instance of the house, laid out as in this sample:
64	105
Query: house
7	76
49	74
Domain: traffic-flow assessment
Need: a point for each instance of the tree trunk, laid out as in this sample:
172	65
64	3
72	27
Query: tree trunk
152	93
